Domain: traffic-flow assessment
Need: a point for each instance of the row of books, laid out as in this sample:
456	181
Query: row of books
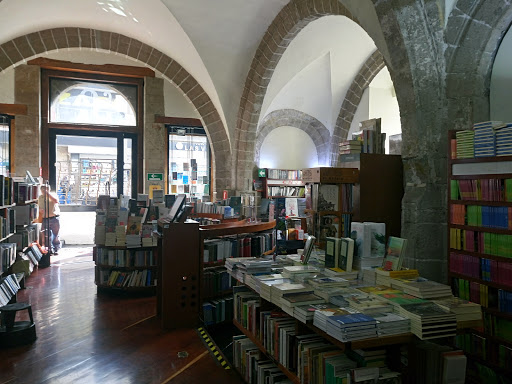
496	244
248	246
370	136
482	189
284	174
24	191
350	146
473	291
487	139
218	310
6	190
216	280
7	222
7	256
9	286
481	216
125	257
488	270
126	279
26	214
286	191
25	236
498	327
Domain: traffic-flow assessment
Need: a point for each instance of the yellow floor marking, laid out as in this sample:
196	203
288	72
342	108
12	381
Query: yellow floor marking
138	322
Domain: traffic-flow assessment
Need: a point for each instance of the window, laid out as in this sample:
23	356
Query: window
189	162
81	102
5	143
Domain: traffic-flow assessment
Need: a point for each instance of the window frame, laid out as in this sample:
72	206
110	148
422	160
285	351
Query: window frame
47	126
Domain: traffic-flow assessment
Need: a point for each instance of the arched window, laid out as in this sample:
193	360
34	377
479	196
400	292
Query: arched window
92	103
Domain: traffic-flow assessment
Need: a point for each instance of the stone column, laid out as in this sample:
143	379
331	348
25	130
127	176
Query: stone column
27	131
155	135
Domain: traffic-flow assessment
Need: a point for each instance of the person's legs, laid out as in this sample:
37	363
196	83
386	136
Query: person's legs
55	227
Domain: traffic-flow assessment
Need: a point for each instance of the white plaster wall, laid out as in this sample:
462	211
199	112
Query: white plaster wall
501	82
288	148
362	112
7	86
325	35
176	105
309	92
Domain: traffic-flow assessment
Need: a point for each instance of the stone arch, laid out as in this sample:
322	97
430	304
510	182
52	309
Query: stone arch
23	47
473	35
293	118
287	24
366	74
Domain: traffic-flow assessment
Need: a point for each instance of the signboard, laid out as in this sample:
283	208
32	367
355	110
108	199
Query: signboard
262	173
155	176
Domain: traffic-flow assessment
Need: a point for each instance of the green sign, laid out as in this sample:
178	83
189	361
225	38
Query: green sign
261	172
155	176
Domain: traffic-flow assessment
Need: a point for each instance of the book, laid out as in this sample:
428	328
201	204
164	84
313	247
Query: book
346	254
395	253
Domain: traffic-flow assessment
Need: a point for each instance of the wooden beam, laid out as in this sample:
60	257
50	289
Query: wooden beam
184	121
105	69
13	109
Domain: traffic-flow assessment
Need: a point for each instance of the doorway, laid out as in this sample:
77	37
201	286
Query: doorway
85	166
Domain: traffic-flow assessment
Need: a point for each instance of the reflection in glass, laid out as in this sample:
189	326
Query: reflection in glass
81	102
4	145
127	170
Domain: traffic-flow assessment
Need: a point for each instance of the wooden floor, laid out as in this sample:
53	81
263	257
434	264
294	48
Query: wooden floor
85	337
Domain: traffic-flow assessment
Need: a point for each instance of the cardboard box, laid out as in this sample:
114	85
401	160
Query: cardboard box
330	175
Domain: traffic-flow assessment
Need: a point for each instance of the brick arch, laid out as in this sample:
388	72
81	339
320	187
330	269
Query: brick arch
364	77
286	25
23	47
473	35
300	120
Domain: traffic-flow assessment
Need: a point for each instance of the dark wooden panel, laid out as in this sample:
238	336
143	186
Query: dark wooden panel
13	109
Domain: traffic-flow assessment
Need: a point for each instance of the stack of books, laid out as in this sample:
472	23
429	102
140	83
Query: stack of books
465	144
464	310
484	140
321	315
327	293
351	146
391	324
369	304
291	300
255	266
254	281
232	264
110	239
100	229
305	313
369	358
503	140
341	273
328	282
387	277
370	276
392	296
148	240
300	271
429	320
422	288
354	326
278	290
266	287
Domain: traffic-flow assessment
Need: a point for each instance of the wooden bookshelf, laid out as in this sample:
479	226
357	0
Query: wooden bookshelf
382	173
181	296
460	172
260	346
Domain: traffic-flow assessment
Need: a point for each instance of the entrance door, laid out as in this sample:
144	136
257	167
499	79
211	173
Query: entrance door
86	166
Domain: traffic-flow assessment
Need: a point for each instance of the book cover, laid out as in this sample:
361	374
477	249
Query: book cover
291	207
395	253
346	254
134	225
327	197
332	247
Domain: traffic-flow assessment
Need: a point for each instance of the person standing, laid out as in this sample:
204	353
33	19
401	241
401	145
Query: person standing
49	212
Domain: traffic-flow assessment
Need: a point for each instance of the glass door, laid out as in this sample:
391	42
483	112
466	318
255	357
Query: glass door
87	166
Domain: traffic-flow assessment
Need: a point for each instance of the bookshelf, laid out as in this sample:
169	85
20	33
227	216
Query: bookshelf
282	183
125	269
329	199
479	250
382	173
187	256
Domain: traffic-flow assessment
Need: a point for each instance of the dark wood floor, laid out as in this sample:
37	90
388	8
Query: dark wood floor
85	337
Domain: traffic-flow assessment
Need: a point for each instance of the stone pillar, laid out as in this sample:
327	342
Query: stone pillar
27	131
155	135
